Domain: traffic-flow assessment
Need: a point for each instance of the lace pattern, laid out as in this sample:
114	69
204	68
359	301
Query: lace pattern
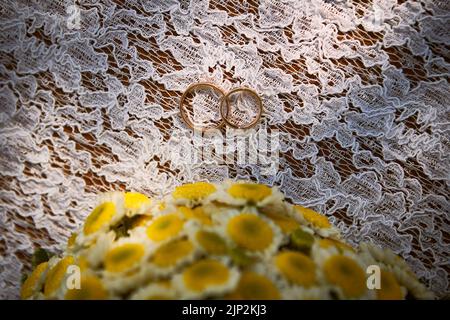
356	91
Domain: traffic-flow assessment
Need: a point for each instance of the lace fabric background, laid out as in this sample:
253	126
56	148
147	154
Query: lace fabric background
358	92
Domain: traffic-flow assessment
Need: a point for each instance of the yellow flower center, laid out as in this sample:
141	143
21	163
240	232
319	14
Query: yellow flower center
56	275
197	214
91	288
250	232
211	242
250	191
29	286
99	217
253	286
123	257
164	227
390	289
168	254
194	191
135	200
286	224
347	274
296	267
314	218
204	273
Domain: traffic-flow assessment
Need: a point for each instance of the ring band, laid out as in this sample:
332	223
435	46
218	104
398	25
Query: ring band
224	113
185	117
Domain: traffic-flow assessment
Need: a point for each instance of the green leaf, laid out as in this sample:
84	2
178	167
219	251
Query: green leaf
240	258
40	255
24	278
122	227
302	240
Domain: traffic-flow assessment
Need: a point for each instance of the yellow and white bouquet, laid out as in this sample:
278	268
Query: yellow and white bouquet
234	240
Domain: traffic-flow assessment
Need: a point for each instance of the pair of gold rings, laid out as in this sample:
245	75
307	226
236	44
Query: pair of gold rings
234	119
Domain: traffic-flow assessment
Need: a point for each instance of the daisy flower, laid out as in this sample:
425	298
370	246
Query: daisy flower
318	222
296	267
254	286
165	227
192	193
253	233
162	290
243	193
206	277
170	255
346	274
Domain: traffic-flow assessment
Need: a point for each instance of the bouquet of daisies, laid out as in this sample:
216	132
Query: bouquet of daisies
235	240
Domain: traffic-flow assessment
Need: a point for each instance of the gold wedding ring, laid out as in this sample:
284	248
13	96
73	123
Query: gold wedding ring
225	111
183	112
224	107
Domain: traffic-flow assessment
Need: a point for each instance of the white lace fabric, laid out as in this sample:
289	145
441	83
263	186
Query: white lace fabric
358	92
